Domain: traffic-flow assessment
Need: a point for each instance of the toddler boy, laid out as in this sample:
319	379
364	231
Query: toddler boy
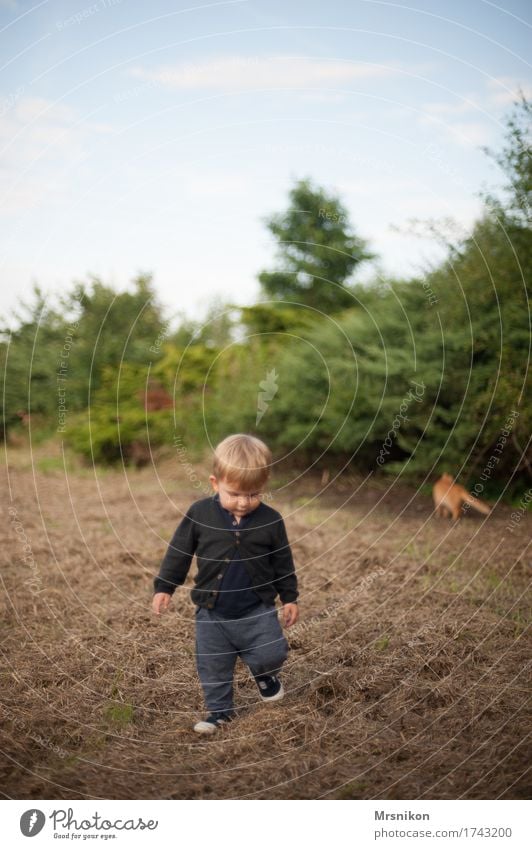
244	561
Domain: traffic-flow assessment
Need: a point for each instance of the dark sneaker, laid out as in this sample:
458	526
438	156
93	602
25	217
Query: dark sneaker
270	688
212	723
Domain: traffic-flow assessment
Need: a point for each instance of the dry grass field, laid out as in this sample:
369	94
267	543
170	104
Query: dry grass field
408	675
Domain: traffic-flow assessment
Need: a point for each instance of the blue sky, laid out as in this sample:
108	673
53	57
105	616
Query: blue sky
157	137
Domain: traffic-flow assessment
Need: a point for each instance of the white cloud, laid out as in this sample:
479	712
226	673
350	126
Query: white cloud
464	116
324	96
498	93
463	132
385	186
39	140
472	133
503	91
460	107
242	73
194	184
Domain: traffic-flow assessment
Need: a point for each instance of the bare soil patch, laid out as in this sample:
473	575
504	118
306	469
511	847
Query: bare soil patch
408	676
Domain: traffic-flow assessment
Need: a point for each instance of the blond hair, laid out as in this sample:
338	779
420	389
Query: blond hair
242	459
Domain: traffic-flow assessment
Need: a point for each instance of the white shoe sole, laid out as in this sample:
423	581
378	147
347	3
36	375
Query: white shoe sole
205	728
278	696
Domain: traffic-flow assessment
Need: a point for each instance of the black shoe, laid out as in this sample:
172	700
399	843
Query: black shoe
214	721
270	688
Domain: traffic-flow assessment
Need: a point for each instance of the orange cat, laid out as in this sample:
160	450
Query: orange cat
449	496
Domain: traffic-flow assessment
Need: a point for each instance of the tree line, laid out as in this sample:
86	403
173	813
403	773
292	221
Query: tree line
405	376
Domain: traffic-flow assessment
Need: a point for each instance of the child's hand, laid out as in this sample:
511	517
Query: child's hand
160	603
290	614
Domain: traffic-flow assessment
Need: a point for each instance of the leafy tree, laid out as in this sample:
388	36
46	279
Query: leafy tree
317	251
58	353
214	330
30	352
467	349
111	327
130	410
516	163
489	292
270	319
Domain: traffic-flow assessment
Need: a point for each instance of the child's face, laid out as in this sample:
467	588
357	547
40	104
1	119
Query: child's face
234	498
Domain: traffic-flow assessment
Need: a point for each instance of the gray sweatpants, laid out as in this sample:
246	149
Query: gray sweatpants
256	638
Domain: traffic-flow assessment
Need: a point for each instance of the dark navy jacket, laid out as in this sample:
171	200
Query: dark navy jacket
261	543
236	596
